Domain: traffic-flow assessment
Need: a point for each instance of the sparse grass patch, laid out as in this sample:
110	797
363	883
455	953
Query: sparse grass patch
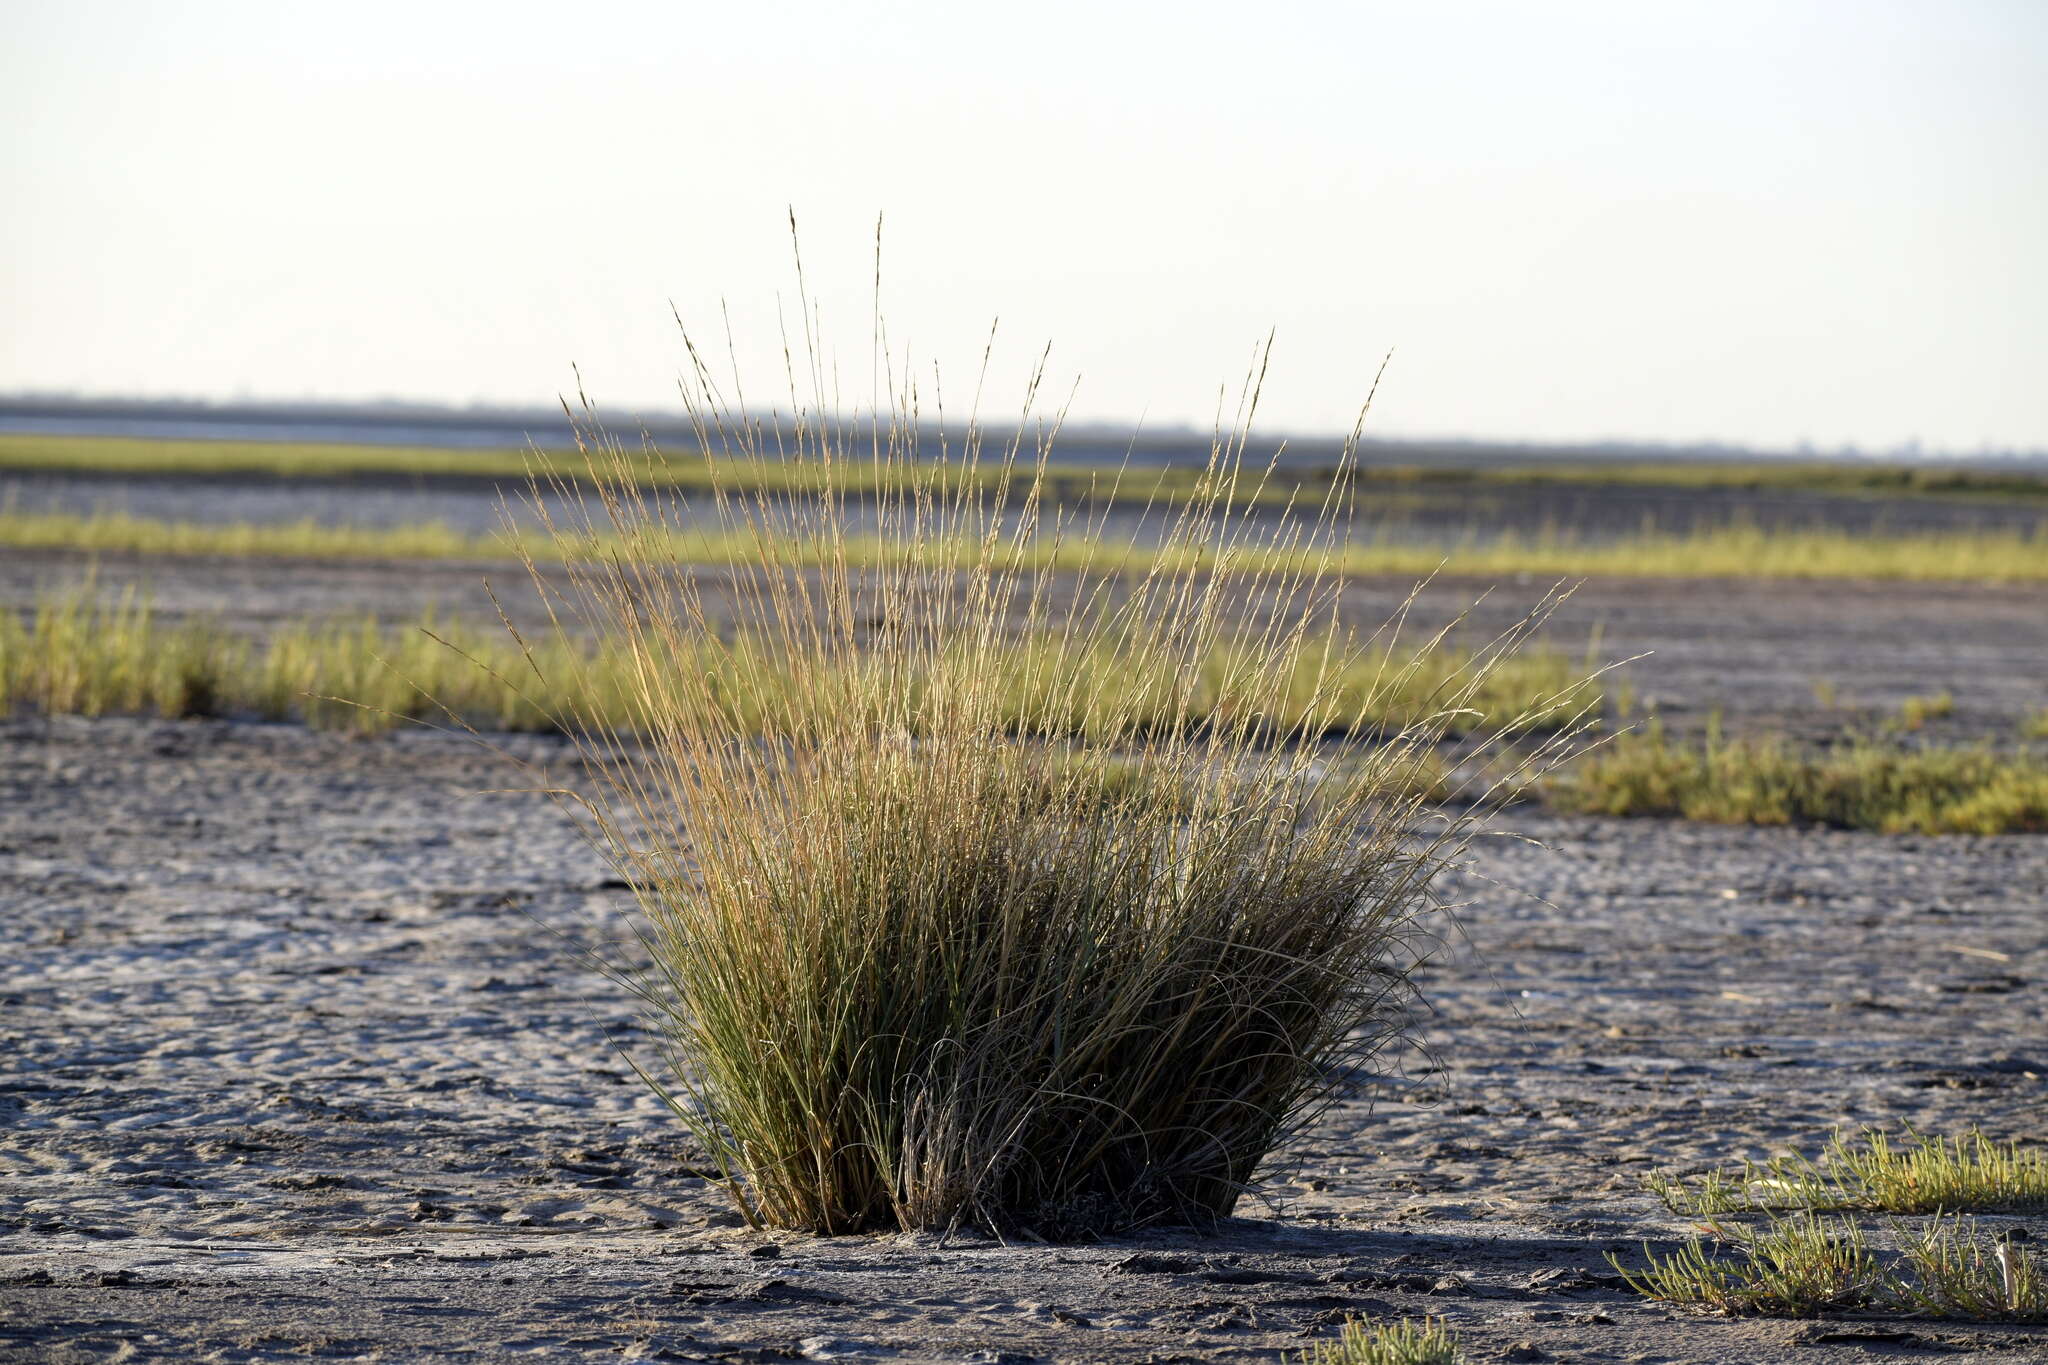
1873	1171
650	469
127	455
1915	712
1730	552
2036	725
1401	1342
1805	1265
118	533
1956	1271
80	654
1794	1267
1800	1262
1768	781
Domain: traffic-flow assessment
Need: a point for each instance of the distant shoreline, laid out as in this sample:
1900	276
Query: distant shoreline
481	428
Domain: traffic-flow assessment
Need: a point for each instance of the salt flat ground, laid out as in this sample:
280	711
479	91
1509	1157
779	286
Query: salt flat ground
1593	512
289	1067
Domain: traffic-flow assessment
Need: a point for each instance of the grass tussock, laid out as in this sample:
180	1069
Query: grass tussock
1725	552
1805	1265
1402	1342
2036	725
1873	1171
1769	781
913	967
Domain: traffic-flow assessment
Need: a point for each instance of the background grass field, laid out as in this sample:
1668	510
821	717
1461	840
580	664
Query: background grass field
689	469
1732	552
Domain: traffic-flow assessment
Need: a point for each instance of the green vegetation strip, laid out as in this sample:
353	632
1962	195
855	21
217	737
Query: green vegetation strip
1769	781
1875	1173
1736	552
649	469
79	655
121	455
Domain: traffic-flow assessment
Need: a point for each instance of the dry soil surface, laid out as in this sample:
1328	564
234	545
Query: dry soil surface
290	1067
1436	513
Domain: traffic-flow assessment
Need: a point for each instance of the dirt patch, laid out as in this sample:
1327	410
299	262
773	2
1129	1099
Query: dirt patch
289	1068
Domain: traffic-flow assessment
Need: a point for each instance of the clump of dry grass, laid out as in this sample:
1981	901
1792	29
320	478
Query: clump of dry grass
1403	1342
912	964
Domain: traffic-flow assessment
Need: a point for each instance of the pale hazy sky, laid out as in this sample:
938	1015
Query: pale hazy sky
1763	222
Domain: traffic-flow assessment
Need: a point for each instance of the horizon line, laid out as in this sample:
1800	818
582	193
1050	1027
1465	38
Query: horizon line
481	416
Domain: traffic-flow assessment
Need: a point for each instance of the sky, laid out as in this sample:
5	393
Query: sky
1796	221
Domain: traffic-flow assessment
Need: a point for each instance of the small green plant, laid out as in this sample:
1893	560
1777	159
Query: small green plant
1804	1265
1971	1173
1403	1342
1873	1171
1826	693
2036	725
1915	712
1708	1196
1956	1271
1624	701
1793	1267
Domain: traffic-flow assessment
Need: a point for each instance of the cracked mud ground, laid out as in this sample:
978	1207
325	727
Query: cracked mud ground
289	1069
